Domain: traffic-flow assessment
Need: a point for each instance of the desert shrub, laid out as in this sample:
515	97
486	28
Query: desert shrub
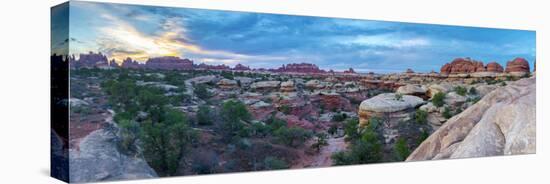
129	135
423	136
320	141
460	90
204	115
260	129
401	149
472	91
447	113
367	149
332	129
167	141
202	91
420	116
438	99
273	163
293	136
276	123
285	109
351	129
233	114
339	117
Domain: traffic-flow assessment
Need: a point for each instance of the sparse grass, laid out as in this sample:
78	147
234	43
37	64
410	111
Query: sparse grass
420	116
439	99
460	90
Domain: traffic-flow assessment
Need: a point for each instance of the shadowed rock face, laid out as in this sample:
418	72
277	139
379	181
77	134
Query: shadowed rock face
501	123
100	160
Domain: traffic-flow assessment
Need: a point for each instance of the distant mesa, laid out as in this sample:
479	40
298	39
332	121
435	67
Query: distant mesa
129	63
169	63
409	70
299	68
203	66
90	60
518	65
240	67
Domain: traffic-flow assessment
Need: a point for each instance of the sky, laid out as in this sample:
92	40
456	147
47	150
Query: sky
271	40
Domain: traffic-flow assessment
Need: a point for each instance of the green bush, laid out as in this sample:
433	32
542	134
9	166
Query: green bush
447	113
460	90
438	99
351	129
166	142
401	149
339	117
320	141
202	91
420	116
367	149
285	109
332	129
472	91
204	115
129	134
293	136
260	130
233	113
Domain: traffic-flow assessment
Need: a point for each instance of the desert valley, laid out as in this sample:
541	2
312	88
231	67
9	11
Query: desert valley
170	116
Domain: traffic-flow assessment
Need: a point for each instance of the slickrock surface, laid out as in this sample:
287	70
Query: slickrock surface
501	123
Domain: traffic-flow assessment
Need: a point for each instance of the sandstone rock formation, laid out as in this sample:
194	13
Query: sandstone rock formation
518	66
226	84
387	104
494	67
436	88
410	89
265	85
300	68
463	65
501	123
99	159
287	86
169	63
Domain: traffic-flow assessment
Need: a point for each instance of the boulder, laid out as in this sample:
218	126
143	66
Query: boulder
265	85
314	84
501	123
388	104
99	159
227	84
412	90
211	79
436	88
245	81
287	86
455	99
